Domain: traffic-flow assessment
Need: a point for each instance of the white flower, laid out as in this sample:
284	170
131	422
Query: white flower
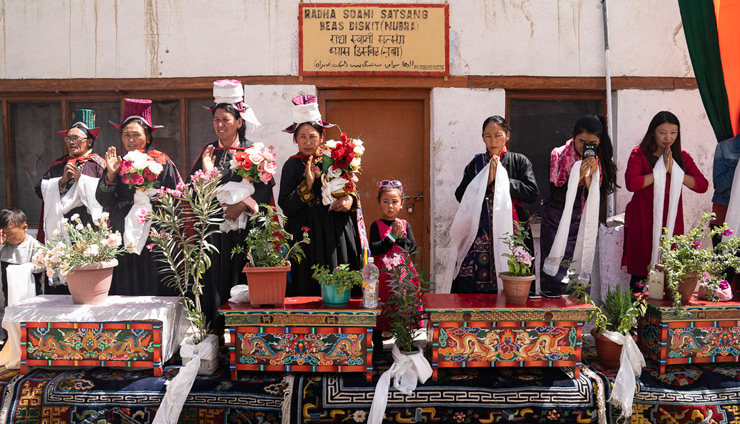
355	163
359	150
79	227
104	215
75	217
155	167
358	142
359	416
259	146
331	144
334	173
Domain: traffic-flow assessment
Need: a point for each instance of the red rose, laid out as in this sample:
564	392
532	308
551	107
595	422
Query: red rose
341	164
149	175
344	137
350	155
349	187
305	229
245	165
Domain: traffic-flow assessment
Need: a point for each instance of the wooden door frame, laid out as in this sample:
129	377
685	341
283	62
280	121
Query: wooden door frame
399	94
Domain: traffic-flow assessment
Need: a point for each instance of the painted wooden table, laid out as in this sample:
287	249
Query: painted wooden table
302	335
710	333
130	332
475	330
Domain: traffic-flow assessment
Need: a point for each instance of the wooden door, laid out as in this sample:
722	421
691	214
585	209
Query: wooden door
394	125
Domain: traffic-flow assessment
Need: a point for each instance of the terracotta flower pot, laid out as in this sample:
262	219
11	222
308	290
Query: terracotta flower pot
608	352
516	289
686	288
90	284
266	284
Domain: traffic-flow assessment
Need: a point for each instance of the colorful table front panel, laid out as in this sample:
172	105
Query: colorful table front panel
136	344
483	331
303	335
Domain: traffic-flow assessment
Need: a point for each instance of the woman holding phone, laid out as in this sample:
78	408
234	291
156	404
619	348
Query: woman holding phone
591	145
657	161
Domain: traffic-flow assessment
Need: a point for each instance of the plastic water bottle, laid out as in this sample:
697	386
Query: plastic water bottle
370	275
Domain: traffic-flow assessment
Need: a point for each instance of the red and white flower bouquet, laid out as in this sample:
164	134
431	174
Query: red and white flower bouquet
255	164
340	165
139	170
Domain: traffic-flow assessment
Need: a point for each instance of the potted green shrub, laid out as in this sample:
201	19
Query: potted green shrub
684	259
268	251
336	284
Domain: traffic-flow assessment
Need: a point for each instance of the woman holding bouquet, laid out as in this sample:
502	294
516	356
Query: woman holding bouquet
329	214
231	118
127	188
68	186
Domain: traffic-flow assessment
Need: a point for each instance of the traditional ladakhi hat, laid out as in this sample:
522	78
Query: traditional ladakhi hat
232	92
305	109
86	118
137	108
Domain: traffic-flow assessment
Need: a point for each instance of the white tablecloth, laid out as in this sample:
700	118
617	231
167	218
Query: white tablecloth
50	308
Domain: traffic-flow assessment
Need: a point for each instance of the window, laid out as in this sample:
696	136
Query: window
541	123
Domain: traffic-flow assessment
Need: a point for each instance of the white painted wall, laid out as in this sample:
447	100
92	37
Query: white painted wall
456	138
185	38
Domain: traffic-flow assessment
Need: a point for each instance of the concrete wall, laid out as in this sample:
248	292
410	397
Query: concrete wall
185	38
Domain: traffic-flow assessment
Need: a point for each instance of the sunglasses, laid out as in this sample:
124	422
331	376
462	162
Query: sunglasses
391	183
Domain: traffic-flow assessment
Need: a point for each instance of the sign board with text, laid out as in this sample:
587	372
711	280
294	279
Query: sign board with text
376	39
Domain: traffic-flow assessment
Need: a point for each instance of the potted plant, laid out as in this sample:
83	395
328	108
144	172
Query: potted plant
182	223
85	257
267	250
685	260
336	285
518	279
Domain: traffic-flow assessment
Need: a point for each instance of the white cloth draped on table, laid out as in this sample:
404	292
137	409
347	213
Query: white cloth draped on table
659	182
50	308
583	255
467	219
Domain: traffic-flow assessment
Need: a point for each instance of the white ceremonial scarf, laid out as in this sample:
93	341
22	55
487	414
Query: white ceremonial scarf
55	206
659	180
583	255
232	193
405	372
135	232
733	208
21	286
467	218
631	363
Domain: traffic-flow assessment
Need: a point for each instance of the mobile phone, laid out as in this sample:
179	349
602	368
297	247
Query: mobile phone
589	150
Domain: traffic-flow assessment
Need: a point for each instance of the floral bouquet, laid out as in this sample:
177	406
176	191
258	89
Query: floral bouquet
86	245
139	169
520	260
340	163
257	163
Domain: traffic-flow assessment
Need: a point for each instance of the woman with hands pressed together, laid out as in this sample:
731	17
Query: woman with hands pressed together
333	228
125	195
658	163
477	256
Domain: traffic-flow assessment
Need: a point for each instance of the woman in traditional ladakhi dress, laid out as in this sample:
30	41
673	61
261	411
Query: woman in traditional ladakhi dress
658	162
478	273
333	228
573	203
68	186
136	273
231	118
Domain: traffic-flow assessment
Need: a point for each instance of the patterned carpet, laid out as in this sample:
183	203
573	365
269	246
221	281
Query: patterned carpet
686	394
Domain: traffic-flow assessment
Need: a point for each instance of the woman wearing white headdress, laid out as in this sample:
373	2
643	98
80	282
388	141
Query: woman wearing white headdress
231	120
